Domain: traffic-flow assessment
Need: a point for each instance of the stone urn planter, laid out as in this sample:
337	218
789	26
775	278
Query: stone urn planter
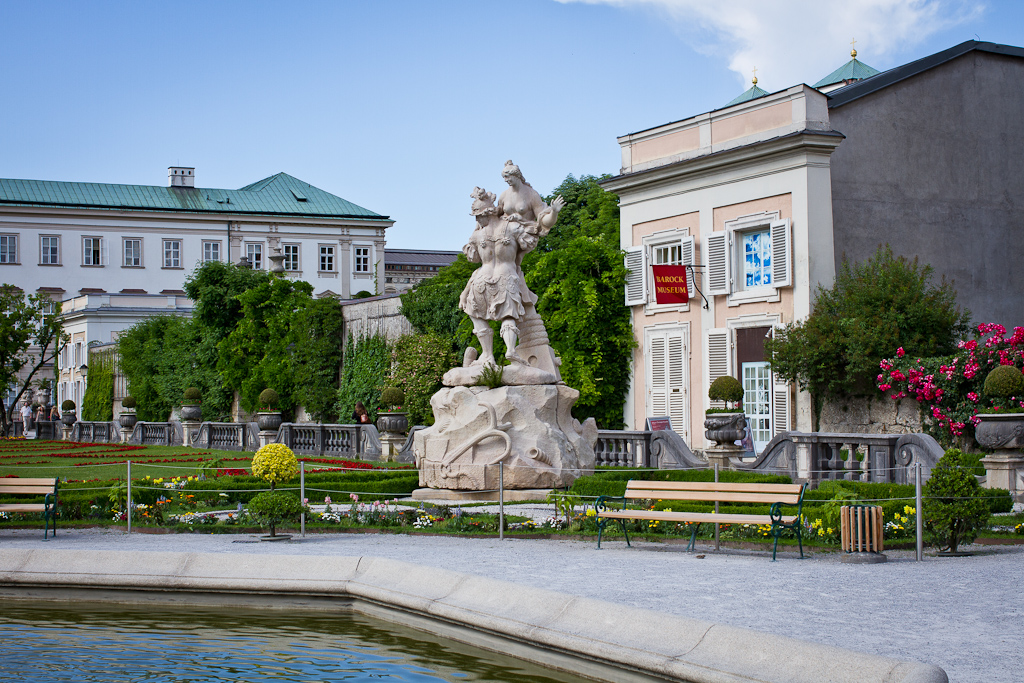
393	423
1001	431
269	421
192	413
725	428
68	418
127	420
1004	433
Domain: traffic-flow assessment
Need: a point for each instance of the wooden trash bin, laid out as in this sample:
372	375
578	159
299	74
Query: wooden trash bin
862	532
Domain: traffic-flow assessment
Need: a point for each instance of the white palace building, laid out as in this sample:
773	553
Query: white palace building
115	254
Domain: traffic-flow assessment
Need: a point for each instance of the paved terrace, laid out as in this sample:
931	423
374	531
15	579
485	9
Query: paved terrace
963	614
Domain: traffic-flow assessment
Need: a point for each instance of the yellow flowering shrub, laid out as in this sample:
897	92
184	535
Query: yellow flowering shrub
275	463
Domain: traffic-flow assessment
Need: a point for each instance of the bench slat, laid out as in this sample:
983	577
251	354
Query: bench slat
724	497
644	484
32	481
38	490
703	517
22	507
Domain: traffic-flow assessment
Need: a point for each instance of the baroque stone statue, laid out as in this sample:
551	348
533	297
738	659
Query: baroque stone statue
525	423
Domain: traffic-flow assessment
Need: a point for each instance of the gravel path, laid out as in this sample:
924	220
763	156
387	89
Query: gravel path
963	614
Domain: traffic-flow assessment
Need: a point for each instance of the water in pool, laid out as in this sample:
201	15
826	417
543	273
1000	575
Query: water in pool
105	644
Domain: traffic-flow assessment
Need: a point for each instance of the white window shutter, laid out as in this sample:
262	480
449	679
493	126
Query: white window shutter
104	252
719	355
716	245
636	278
688	260
658	374
676	363
780	408
782	259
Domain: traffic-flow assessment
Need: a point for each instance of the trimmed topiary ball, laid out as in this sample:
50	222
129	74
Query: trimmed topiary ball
1004	381
68	404
192	395
128	402
275	463
392	396
726	388
269	398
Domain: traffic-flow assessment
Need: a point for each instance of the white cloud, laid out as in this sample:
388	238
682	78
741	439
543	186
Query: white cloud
793	41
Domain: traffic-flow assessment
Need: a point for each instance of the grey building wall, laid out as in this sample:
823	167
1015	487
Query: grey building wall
934	166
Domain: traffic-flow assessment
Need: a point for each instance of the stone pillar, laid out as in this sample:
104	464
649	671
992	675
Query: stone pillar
189	433
267	437
345	266
391	445
126	434
65	432
378	266
803	461
721	455
1002	468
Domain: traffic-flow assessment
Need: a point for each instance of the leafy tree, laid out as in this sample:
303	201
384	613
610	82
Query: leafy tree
215	286
873	309
418	363
98	402
365	369
257	354
316	335
29	340
164	355
954	505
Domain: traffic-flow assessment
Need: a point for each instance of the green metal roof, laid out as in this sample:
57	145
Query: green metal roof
853	70
751	94
279	194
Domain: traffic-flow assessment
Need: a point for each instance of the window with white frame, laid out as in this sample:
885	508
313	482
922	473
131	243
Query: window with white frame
326	258
750	258
362	255
255	254
666	248
291	257
132	252
49	307
8	248
94	251
211	251
49	250
172	253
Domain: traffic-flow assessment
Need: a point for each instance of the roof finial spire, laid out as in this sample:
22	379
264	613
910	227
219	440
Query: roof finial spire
754	79
853	52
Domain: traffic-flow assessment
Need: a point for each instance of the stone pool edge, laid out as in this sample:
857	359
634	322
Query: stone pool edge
592	638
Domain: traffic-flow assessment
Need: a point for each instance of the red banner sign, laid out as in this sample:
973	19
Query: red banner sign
670	285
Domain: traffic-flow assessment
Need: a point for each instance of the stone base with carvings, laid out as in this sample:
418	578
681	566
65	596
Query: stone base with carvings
529	429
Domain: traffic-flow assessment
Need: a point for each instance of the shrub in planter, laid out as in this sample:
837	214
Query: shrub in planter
190	408
128	403
955	507
1004	381
726	388
192	396
270	508
269	399
392	397
67	405
275	463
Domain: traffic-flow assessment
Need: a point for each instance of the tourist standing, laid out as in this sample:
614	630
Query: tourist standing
26	415
359	415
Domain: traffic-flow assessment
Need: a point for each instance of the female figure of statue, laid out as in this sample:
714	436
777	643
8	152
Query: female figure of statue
503	235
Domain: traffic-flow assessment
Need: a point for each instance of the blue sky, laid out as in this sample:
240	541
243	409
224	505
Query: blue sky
404	107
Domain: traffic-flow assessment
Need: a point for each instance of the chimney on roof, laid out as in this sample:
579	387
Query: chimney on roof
181	176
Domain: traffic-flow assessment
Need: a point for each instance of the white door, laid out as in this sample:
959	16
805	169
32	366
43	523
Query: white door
667	381
757	383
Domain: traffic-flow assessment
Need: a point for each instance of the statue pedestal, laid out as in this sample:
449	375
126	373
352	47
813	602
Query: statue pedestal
529	429
1002	471
267	436
391	445
65	432
720	455
126	434
189	432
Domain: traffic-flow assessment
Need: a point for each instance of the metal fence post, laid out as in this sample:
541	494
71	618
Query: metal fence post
302	496
501	501
128	498
920	513
717	546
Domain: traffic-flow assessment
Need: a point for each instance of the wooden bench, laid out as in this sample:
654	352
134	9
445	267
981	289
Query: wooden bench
776	495
34	487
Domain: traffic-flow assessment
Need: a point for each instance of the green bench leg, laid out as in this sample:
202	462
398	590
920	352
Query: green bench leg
622	523
600	530
692	545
